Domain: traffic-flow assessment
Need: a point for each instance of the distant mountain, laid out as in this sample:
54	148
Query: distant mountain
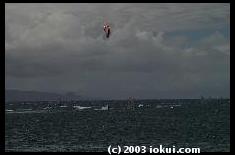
19	95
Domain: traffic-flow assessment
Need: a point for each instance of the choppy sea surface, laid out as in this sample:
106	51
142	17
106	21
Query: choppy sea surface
87	126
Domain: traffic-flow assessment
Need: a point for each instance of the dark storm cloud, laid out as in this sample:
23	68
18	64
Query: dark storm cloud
61	47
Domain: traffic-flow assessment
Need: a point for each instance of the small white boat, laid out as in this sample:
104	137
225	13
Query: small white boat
80	107
9	110
104	108
140	105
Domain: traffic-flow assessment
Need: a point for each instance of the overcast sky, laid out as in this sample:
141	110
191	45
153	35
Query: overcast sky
154	51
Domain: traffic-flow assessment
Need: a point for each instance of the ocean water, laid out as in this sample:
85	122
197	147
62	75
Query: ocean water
52	126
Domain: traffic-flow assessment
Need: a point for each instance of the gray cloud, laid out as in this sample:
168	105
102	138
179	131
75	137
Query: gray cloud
61	47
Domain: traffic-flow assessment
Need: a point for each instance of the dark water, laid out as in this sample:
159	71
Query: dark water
183	123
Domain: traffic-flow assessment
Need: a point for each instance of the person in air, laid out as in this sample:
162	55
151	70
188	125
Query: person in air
107	30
